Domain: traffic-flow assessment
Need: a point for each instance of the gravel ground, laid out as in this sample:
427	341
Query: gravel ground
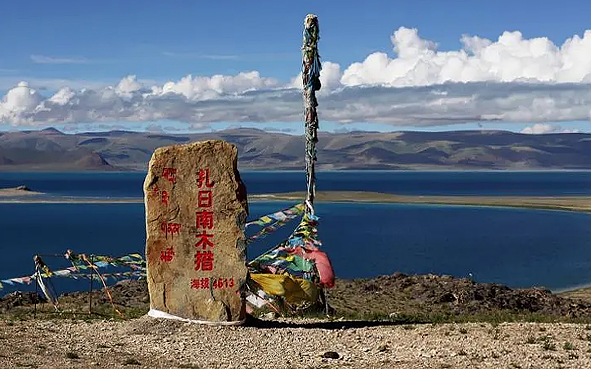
150	343
46	340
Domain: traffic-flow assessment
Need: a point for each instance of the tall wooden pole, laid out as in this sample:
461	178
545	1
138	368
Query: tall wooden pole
311	67
311	80
90	288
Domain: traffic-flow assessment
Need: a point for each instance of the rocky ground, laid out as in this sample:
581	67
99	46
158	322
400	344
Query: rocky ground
398	297
148	343
444	298
395	321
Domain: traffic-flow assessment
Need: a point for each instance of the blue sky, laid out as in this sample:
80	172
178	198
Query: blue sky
83	44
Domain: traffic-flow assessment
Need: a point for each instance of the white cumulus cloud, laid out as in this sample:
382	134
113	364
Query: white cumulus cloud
330	77
508	59
542	128
511	79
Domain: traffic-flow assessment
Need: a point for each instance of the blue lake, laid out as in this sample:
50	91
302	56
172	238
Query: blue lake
91	184
517	247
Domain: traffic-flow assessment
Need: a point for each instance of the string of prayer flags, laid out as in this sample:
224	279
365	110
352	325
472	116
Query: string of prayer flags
135	261
281	216
82	261
293	270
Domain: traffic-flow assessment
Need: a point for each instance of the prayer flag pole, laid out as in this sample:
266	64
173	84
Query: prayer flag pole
311	82
311	67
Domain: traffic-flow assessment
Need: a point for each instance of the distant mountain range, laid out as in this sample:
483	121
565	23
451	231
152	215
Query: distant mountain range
50	149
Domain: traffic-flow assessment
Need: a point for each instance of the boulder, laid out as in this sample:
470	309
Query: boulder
196	209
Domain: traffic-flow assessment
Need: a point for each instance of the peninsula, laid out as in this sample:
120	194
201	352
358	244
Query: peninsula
565	203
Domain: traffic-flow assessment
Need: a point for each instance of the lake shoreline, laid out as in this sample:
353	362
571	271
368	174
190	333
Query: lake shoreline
564	203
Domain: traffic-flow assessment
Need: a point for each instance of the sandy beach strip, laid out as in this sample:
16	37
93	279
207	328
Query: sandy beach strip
566	203
570	203
71	200
14	192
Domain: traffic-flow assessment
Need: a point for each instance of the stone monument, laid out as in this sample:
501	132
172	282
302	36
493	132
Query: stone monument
196	210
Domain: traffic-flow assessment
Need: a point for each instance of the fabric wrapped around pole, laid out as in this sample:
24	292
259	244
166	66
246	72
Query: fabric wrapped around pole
294	290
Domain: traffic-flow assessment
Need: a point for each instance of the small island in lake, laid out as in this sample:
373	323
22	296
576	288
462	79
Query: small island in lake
18	191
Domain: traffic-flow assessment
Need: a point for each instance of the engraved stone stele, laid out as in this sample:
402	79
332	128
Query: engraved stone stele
196	210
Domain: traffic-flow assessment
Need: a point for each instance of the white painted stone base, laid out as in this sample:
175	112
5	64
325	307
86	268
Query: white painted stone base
161	314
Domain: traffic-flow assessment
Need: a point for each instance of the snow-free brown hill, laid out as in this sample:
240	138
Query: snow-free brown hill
51	149
48	149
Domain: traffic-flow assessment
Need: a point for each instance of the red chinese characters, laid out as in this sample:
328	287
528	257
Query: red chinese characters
204	261
214	283
204	179
205	199
204	240
204	221
195	283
